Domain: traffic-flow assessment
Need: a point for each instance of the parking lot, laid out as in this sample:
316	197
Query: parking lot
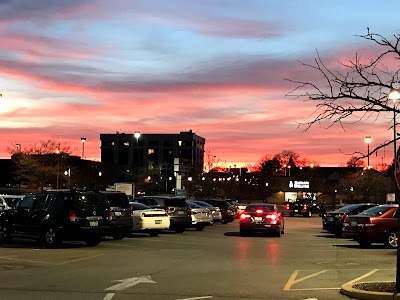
305	263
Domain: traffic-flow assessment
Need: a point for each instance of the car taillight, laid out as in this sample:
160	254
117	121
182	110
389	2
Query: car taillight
344	216
170	209
287	206
110	215
305	206
272	217
131	213
189	210
72	216
244	216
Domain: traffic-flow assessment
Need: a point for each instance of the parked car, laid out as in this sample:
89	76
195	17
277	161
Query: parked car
262	217
56	216
201	216
148	220
176	207
302	206
378	224
9	201
333	220
120	214
240	207
215	211
228	211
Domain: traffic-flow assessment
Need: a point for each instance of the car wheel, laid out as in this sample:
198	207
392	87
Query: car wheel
283	230
4	234
199	228
278	233
364	243
224	221
50	236
179	229
391	240
153	232
93	240
291	214
118	235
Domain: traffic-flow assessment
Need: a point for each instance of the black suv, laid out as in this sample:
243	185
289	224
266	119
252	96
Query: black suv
120	216
55	216
302	206
176	207
228	210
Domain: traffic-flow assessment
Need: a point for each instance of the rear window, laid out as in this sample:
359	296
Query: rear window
118	200
139	206
194	205
12	201
375	211
175	202
347	208
89	200
265	208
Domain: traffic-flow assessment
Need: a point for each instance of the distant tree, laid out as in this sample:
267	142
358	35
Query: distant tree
353	91
211	161
40	165
355	161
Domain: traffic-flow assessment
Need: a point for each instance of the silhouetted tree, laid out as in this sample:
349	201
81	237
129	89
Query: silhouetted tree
357	90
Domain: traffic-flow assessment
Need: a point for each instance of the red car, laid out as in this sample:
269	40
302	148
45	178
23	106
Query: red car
261	217
377	224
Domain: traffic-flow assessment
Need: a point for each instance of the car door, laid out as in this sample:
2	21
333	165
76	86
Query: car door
21	216
38	213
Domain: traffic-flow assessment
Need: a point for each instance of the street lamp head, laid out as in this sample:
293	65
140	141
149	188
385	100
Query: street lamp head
368	139
83	140
394	95
137	134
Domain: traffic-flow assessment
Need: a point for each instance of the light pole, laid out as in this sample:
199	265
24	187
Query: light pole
368	140
83	140
58	166
137	135
68	173
394	95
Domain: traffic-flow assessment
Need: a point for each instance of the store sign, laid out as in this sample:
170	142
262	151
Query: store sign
299	184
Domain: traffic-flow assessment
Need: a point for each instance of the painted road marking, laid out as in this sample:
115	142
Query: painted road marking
50	263
109	296
197	298
292	280
128	282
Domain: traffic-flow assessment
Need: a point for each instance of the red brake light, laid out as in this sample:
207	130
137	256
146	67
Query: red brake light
305	206
110	215
273	217
287	206
344	217
170	209
244	216
72	215
259	211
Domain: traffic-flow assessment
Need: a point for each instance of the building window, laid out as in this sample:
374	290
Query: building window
150	151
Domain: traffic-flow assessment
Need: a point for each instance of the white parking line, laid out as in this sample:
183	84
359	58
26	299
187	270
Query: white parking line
363	276
196	298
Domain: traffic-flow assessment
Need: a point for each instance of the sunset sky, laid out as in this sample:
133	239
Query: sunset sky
78	68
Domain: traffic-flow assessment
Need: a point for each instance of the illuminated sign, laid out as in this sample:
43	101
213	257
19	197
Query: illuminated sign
299	184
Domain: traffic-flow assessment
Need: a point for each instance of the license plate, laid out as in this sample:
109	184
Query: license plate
157	221
94	223
353	223
117	213
330	219
258	219
180	212
296	210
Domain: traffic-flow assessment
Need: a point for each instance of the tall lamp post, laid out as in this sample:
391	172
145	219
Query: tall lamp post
137	135
83	140
394	95
368	140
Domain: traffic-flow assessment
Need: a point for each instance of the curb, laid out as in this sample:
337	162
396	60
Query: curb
348	290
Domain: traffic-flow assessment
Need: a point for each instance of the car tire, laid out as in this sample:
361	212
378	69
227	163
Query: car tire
199	227
224	221
391	240
283	230
5	234
278	233
153	233
291	214
307	214
51	237
118	234
93	240
364	243
179	229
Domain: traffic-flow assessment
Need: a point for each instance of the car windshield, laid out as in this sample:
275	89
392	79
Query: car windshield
118	200
12	201
176	202
139	206
375	211
347	208
265	208
193	205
